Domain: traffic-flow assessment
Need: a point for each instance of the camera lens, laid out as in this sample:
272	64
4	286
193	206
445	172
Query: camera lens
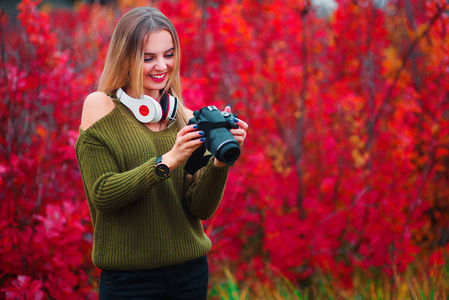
222	144
229	153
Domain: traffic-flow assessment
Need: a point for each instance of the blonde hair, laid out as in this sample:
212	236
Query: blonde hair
125	57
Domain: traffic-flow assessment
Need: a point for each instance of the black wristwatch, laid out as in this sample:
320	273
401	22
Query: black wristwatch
162	169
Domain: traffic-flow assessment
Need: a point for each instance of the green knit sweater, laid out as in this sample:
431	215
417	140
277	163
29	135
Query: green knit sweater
141	221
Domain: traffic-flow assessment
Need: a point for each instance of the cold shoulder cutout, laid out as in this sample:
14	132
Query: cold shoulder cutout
96	106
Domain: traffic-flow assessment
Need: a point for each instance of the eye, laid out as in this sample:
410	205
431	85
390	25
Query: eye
170	55
147	59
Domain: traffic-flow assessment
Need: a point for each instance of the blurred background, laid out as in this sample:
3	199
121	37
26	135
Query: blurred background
342	189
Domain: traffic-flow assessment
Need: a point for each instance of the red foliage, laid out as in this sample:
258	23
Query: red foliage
346	164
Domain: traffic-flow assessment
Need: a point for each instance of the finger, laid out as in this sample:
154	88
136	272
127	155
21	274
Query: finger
193	144
187	129
239	135
242	124
227	109
194	135
238	132
240	140
189	140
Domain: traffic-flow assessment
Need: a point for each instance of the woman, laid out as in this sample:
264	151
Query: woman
146	211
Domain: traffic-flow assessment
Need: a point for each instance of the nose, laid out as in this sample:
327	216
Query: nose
160	65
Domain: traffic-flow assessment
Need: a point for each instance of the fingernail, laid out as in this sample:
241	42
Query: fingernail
201	133
236	120
202	139
228	105
195	126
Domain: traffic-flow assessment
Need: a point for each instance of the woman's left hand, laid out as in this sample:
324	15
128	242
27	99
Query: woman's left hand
238	133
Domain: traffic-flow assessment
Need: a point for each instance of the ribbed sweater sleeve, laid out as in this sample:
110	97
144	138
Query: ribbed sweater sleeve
110	189
204	195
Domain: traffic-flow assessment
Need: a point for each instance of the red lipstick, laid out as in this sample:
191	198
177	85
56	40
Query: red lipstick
159	77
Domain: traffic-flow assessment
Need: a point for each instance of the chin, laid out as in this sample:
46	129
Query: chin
153	87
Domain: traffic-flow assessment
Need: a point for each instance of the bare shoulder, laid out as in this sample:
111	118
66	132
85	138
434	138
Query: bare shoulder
96	106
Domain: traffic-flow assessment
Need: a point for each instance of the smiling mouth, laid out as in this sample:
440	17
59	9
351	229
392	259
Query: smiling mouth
159	76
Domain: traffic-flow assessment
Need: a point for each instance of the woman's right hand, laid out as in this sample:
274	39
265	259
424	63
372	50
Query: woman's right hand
188	140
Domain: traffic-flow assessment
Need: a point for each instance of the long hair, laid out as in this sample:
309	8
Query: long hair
125	58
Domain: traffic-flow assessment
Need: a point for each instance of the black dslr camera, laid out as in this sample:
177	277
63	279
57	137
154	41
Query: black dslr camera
219	140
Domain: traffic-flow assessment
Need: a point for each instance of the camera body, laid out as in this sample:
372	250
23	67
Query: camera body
219	140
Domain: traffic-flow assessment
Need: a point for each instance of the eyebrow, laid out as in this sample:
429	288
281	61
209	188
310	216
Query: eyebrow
171	49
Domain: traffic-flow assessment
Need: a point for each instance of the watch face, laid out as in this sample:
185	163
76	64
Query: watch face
162	170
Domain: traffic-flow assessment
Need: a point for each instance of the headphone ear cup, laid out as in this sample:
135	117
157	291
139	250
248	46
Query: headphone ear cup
169	105
165	104
174	106
156	113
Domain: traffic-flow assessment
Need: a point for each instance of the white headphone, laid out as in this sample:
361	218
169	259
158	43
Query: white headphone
149	110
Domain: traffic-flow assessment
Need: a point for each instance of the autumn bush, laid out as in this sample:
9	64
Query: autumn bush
346	165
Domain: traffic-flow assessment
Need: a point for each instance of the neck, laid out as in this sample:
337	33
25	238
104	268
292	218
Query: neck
159	126
153	93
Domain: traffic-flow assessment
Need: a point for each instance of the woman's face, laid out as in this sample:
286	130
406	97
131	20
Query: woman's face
159	61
